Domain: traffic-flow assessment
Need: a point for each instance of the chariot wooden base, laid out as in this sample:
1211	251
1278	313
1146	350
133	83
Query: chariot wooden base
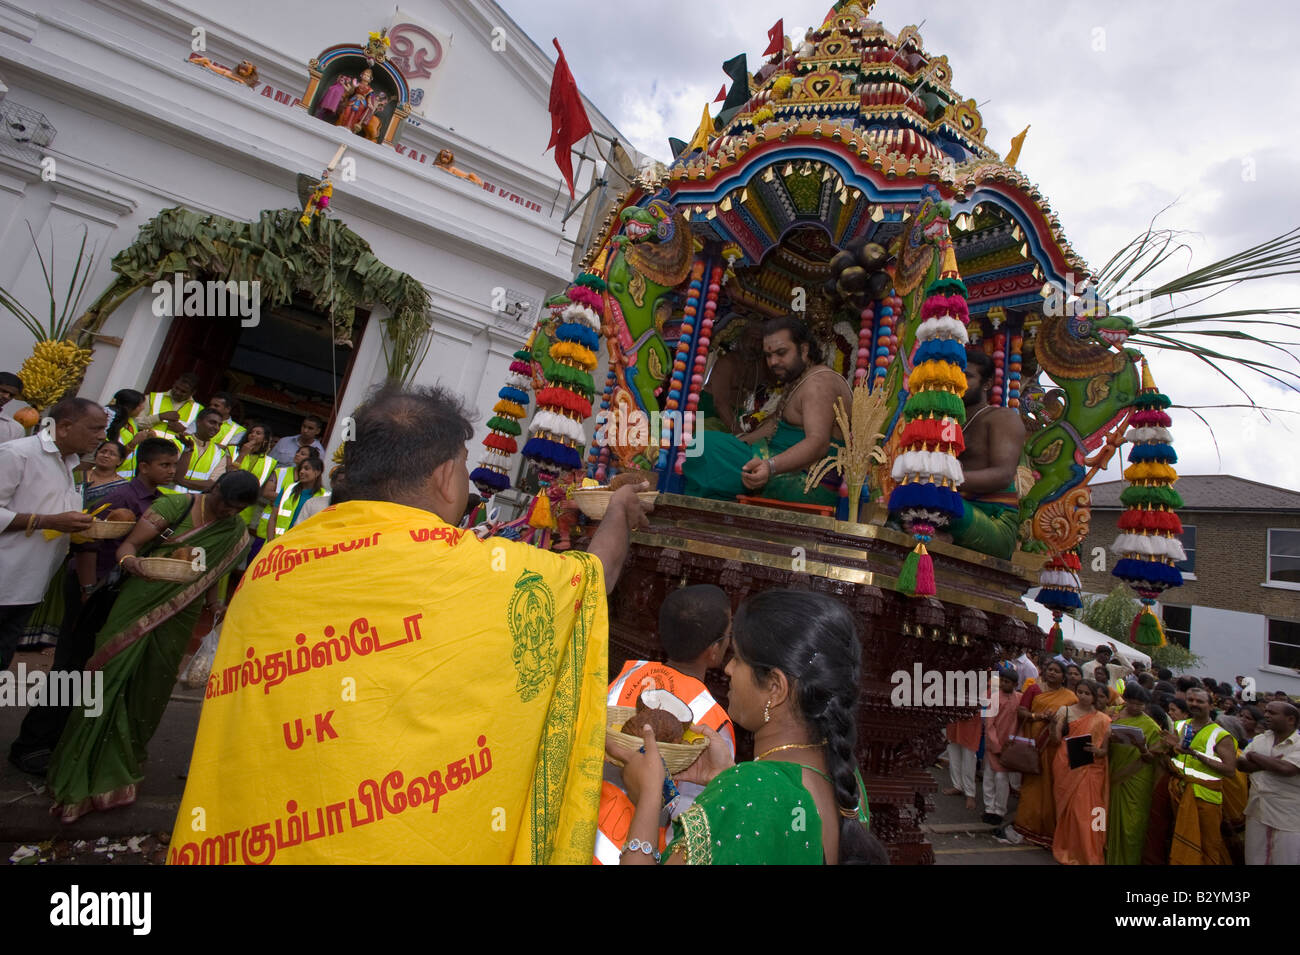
746	549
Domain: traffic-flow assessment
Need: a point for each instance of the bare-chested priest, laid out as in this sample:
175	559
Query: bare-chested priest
771	461
994	439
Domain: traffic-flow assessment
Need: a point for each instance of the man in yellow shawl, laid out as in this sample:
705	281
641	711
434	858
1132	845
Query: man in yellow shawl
390	689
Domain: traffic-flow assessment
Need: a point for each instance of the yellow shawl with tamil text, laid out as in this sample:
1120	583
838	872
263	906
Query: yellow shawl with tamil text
389	689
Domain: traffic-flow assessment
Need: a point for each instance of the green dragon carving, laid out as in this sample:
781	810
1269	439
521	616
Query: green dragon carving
648	260
1096	382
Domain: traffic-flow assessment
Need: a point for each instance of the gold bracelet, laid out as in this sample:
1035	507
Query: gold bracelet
31	525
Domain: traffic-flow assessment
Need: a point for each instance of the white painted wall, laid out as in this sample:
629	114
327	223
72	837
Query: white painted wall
141	129
1234	643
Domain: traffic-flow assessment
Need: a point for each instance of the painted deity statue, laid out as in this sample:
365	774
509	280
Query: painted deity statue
328	109
358	106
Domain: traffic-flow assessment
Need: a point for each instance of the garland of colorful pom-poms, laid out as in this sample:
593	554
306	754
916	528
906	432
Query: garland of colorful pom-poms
698	358
493	471
1013	376
926	469
564	404
878	339
1148	546
688	378
598	455
1059	592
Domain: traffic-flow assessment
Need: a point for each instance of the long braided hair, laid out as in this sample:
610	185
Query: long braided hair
811	638
123	403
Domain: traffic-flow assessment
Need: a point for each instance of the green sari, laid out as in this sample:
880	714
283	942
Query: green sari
97	762
1130	800
716	472
753	814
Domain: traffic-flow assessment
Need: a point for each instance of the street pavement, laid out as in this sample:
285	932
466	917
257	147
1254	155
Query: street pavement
24	807
959	838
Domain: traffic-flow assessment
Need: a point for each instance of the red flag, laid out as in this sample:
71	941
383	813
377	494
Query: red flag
830	13
776	38
569	122
722	94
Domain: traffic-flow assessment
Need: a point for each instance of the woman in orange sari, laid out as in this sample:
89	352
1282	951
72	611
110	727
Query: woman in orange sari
1079	792
1036	811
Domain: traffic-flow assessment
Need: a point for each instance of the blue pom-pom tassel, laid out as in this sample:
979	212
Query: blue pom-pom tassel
583	334
943	349
1153	452
486	478
931	497
1148	571
1058	599
513	394
550	452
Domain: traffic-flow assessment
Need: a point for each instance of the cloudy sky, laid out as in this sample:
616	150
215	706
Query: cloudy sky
1134	106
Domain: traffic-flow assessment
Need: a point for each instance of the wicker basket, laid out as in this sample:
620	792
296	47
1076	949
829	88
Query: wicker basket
107	530
678	756
594	501
169	568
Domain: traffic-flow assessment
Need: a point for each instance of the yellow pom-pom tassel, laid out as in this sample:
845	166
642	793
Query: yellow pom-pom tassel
541	513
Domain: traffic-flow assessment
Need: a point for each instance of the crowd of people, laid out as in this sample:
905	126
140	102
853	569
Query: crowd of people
172	467
386	567
1116	764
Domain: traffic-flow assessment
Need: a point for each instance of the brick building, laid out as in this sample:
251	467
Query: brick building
1239	607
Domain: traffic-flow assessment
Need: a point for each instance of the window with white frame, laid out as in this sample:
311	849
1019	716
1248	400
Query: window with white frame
1284	557
1178	624
1188	538
1284	643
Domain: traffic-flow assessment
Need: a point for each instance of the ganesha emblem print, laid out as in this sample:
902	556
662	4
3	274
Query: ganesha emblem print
532	626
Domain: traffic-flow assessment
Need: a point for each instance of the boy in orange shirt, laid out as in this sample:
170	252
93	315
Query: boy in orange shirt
695	633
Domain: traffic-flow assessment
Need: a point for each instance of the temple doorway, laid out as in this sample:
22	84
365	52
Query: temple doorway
280	370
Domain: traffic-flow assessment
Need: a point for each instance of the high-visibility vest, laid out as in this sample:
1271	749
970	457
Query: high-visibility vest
161	401
229	433
200	469
124	437
284	476
615	815
1207	785
283	508
260	466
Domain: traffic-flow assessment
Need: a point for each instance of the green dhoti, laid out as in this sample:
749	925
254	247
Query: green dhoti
990	527
715	473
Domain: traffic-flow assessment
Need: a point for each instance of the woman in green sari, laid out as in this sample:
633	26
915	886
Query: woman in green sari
97	762
1132	780
794	682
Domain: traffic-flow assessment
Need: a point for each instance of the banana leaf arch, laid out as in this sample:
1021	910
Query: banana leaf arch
325	261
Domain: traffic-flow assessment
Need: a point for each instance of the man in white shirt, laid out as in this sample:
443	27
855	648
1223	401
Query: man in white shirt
37	493
1025	669
1273	810
1115	671
11	386
286	448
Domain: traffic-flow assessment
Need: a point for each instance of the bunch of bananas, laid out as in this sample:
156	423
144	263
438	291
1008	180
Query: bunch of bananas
51	371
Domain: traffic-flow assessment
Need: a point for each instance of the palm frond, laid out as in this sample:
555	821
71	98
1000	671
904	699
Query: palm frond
1217	453
62	310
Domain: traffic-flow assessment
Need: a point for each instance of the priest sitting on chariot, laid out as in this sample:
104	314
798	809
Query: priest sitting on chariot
771	461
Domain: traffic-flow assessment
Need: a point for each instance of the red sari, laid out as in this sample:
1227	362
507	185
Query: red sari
1079	793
